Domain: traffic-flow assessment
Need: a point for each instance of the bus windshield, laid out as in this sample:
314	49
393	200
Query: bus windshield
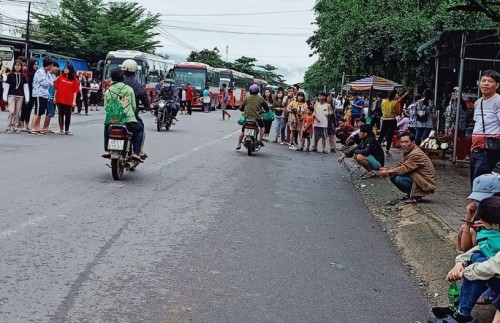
116	64
196	77
6	54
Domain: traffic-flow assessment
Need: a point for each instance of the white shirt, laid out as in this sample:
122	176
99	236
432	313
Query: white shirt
183	95
321	111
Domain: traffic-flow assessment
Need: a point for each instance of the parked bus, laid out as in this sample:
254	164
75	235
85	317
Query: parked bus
150	68
198	75
7	55
238	84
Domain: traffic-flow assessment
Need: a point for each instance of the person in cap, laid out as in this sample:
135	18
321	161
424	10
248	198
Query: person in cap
477	268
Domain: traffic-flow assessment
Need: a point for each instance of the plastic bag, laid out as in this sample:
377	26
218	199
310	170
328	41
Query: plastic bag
242	120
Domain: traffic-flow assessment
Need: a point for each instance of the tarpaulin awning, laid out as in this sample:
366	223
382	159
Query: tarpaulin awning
372	83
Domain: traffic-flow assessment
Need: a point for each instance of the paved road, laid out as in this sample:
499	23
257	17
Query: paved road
198	233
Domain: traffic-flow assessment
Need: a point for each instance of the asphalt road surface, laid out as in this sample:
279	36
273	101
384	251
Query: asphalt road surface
198	233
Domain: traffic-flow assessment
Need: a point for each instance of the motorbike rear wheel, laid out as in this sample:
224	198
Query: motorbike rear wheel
117	168
250	149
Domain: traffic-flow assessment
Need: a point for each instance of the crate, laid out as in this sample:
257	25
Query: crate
434	153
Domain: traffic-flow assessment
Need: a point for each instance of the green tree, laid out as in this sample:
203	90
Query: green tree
88	29
207	56
378	37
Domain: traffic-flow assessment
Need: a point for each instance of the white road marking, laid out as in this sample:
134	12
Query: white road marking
31	222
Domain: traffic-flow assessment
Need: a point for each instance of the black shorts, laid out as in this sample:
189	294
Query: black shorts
320	132
306	135
40	105
260	123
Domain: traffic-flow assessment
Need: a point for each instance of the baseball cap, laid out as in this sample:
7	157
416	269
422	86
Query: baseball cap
362	119
485	186
487	210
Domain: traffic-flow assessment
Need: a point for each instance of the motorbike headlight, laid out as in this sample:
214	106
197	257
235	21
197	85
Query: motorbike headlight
161	105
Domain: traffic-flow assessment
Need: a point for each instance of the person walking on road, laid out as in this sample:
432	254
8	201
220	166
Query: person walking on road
223	105
487	124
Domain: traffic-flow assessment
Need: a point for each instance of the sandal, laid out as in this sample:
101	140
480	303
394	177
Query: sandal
106	155
33	133
144	156
238	147
61	132
325	152
486	298
136	158
388	154
368	175
68	133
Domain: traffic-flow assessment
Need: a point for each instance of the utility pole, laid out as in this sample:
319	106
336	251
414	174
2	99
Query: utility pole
26	48
227	51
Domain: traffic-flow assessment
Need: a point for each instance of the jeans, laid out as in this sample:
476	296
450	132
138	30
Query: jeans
472	289
277	127
137	134
421	134
403	183
284	135
482	163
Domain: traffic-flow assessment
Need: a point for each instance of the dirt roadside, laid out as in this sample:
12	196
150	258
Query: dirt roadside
423	233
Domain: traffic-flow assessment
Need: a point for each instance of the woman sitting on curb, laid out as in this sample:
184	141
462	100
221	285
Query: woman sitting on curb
476	268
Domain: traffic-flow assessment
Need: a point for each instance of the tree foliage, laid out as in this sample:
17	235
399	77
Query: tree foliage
243	64
88	29
379	37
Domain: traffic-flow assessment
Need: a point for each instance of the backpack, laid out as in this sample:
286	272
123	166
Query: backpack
115	109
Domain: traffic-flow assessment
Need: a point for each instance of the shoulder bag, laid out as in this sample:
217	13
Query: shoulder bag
491	144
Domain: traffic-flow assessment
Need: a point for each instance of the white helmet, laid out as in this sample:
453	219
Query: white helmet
129	65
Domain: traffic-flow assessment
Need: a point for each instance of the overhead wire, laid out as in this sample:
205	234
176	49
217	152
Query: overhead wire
167	35
236	25
237	13
237	32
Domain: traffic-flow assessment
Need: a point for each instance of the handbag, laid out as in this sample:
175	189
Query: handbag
268	116
491	144
242	120
206	99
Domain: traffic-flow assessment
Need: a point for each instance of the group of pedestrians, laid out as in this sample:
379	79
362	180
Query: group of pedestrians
28	90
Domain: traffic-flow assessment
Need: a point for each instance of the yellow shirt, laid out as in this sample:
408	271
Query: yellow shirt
389	109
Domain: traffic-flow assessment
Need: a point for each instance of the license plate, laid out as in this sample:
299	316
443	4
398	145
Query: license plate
249	132
114	144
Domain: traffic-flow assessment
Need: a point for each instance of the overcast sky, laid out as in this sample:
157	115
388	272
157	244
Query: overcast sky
287	49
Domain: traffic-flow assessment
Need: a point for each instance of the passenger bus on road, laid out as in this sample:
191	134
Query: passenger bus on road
198	75
150	68
7	55
238	84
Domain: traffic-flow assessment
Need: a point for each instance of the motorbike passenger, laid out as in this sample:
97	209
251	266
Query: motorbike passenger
125	94
129	68
253	106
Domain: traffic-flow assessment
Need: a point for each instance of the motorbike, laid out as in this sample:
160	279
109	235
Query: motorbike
120	148
164	117
251	134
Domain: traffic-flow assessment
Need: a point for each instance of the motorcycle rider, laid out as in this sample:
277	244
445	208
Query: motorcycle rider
252	107
118	89
168	92
129	68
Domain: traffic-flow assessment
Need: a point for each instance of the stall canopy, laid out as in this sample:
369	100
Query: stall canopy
372	83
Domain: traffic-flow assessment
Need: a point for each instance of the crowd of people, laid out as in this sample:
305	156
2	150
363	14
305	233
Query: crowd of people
29	92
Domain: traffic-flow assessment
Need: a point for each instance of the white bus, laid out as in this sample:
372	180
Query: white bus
7	55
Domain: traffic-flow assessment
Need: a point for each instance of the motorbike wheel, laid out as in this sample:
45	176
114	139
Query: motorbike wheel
158	122
168	124
250	149
117	168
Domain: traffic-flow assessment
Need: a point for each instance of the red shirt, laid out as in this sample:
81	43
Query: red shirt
66	89
189	93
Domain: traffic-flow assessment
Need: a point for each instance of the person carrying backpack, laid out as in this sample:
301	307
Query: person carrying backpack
120	106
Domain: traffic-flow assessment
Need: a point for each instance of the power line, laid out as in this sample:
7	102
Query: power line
237	32
237	13
167	35
229	25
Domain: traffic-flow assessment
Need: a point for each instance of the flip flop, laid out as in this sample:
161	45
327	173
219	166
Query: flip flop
486	298
238	147
367	175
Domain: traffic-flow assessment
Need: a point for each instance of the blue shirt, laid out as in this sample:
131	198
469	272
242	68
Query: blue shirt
359	109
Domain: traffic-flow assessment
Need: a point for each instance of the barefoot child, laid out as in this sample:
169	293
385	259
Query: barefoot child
307	129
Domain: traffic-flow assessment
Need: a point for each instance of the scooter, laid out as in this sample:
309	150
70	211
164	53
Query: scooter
120	148
251	134
164	117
